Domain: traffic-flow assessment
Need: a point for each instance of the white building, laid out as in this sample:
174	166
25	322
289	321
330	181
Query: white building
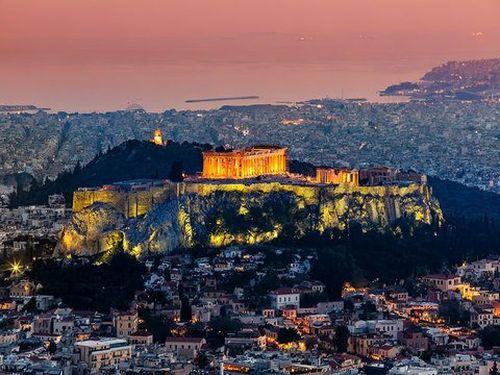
283	297
387	327
479	268
412	370
103	353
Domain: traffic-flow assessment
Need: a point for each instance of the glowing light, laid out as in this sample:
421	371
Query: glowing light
15	267
157	138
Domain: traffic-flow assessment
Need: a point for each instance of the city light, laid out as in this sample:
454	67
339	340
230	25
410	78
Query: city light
15	267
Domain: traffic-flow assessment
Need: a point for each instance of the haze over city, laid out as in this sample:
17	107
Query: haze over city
101	55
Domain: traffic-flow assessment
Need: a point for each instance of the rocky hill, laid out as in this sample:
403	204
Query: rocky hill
218	220
246	214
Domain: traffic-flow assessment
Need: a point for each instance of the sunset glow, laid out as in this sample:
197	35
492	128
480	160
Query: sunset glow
100	55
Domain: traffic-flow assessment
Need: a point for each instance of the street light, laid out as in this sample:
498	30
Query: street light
15	267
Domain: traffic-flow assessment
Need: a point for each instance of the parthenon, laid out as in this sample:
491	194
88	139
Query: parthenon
245	163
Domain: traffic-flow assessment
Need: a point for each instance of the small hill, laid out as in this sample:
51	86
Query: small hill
462	201
129	161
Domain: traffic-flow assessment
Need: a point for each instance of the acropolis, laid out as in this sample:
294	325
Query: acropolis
259	168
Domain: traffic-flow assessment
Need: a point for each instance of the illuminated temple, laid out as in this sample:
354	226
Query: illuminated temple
245	163
337	176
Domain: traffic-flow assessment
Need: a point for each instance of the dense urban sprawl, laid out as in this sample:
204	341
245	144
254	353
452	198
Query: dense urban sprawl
454	140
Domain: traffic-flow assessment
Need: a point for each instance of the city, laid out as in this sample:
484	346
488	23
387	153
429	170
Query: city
249	187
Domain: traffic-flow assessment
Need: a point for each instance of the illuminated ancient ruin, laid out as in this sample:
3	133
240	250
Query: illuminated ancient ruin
327	175
246	163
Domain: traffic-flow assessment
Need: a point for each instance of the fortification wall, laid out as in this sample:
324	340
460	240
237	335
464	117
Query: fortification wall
129	203
85	198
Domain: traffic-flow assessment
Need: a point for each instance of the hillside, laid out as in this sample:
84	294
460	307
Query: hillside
129	161
462	201
138	159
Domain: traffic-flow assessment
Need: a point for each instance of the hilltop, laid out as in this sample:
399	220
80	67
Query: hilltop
141	159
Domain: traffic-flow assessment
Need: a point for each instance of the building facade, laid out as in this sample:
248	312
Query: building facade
125	323
441	282
284	297
103	353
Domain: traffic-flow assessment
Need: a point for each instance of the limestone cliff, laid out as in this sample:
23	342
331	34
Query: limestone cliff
95	229
222	214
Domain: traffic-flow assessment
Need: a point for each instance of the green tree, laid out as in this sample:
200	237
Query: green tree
219	328
157	326
186	311
175	173
453	312
201	360
333	267
52	347
312	299
287	335
490	337
89	286
369	311
341	338
30	306
494	369
225	325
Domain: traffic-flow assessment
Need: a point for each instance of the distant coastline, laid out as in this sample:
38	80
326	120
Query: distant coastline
221	99
16	108
456	80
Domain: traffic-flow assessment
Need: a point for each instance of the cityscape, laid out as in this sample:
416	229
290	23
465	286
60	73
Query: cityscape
253	223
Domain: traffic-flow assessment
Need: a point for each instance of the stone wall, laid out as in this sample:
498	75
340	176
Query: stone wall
129	203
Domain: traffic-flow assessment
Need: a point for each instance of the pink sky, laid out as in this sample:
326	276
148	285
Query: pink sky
99	54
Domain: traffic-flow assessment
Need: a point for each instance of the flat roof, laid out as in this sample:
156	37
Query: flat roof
94	343
258	148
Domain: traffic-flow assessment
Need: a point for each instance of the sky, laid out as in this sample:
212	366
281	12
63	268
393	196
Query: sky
99	55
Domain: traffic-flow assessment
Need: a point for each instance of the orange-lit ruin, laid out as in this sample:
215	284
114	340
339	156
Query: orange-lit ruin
327	175
246	163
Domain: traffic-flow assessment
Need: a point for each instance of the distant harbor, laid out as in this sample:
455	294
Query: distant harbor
222	99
